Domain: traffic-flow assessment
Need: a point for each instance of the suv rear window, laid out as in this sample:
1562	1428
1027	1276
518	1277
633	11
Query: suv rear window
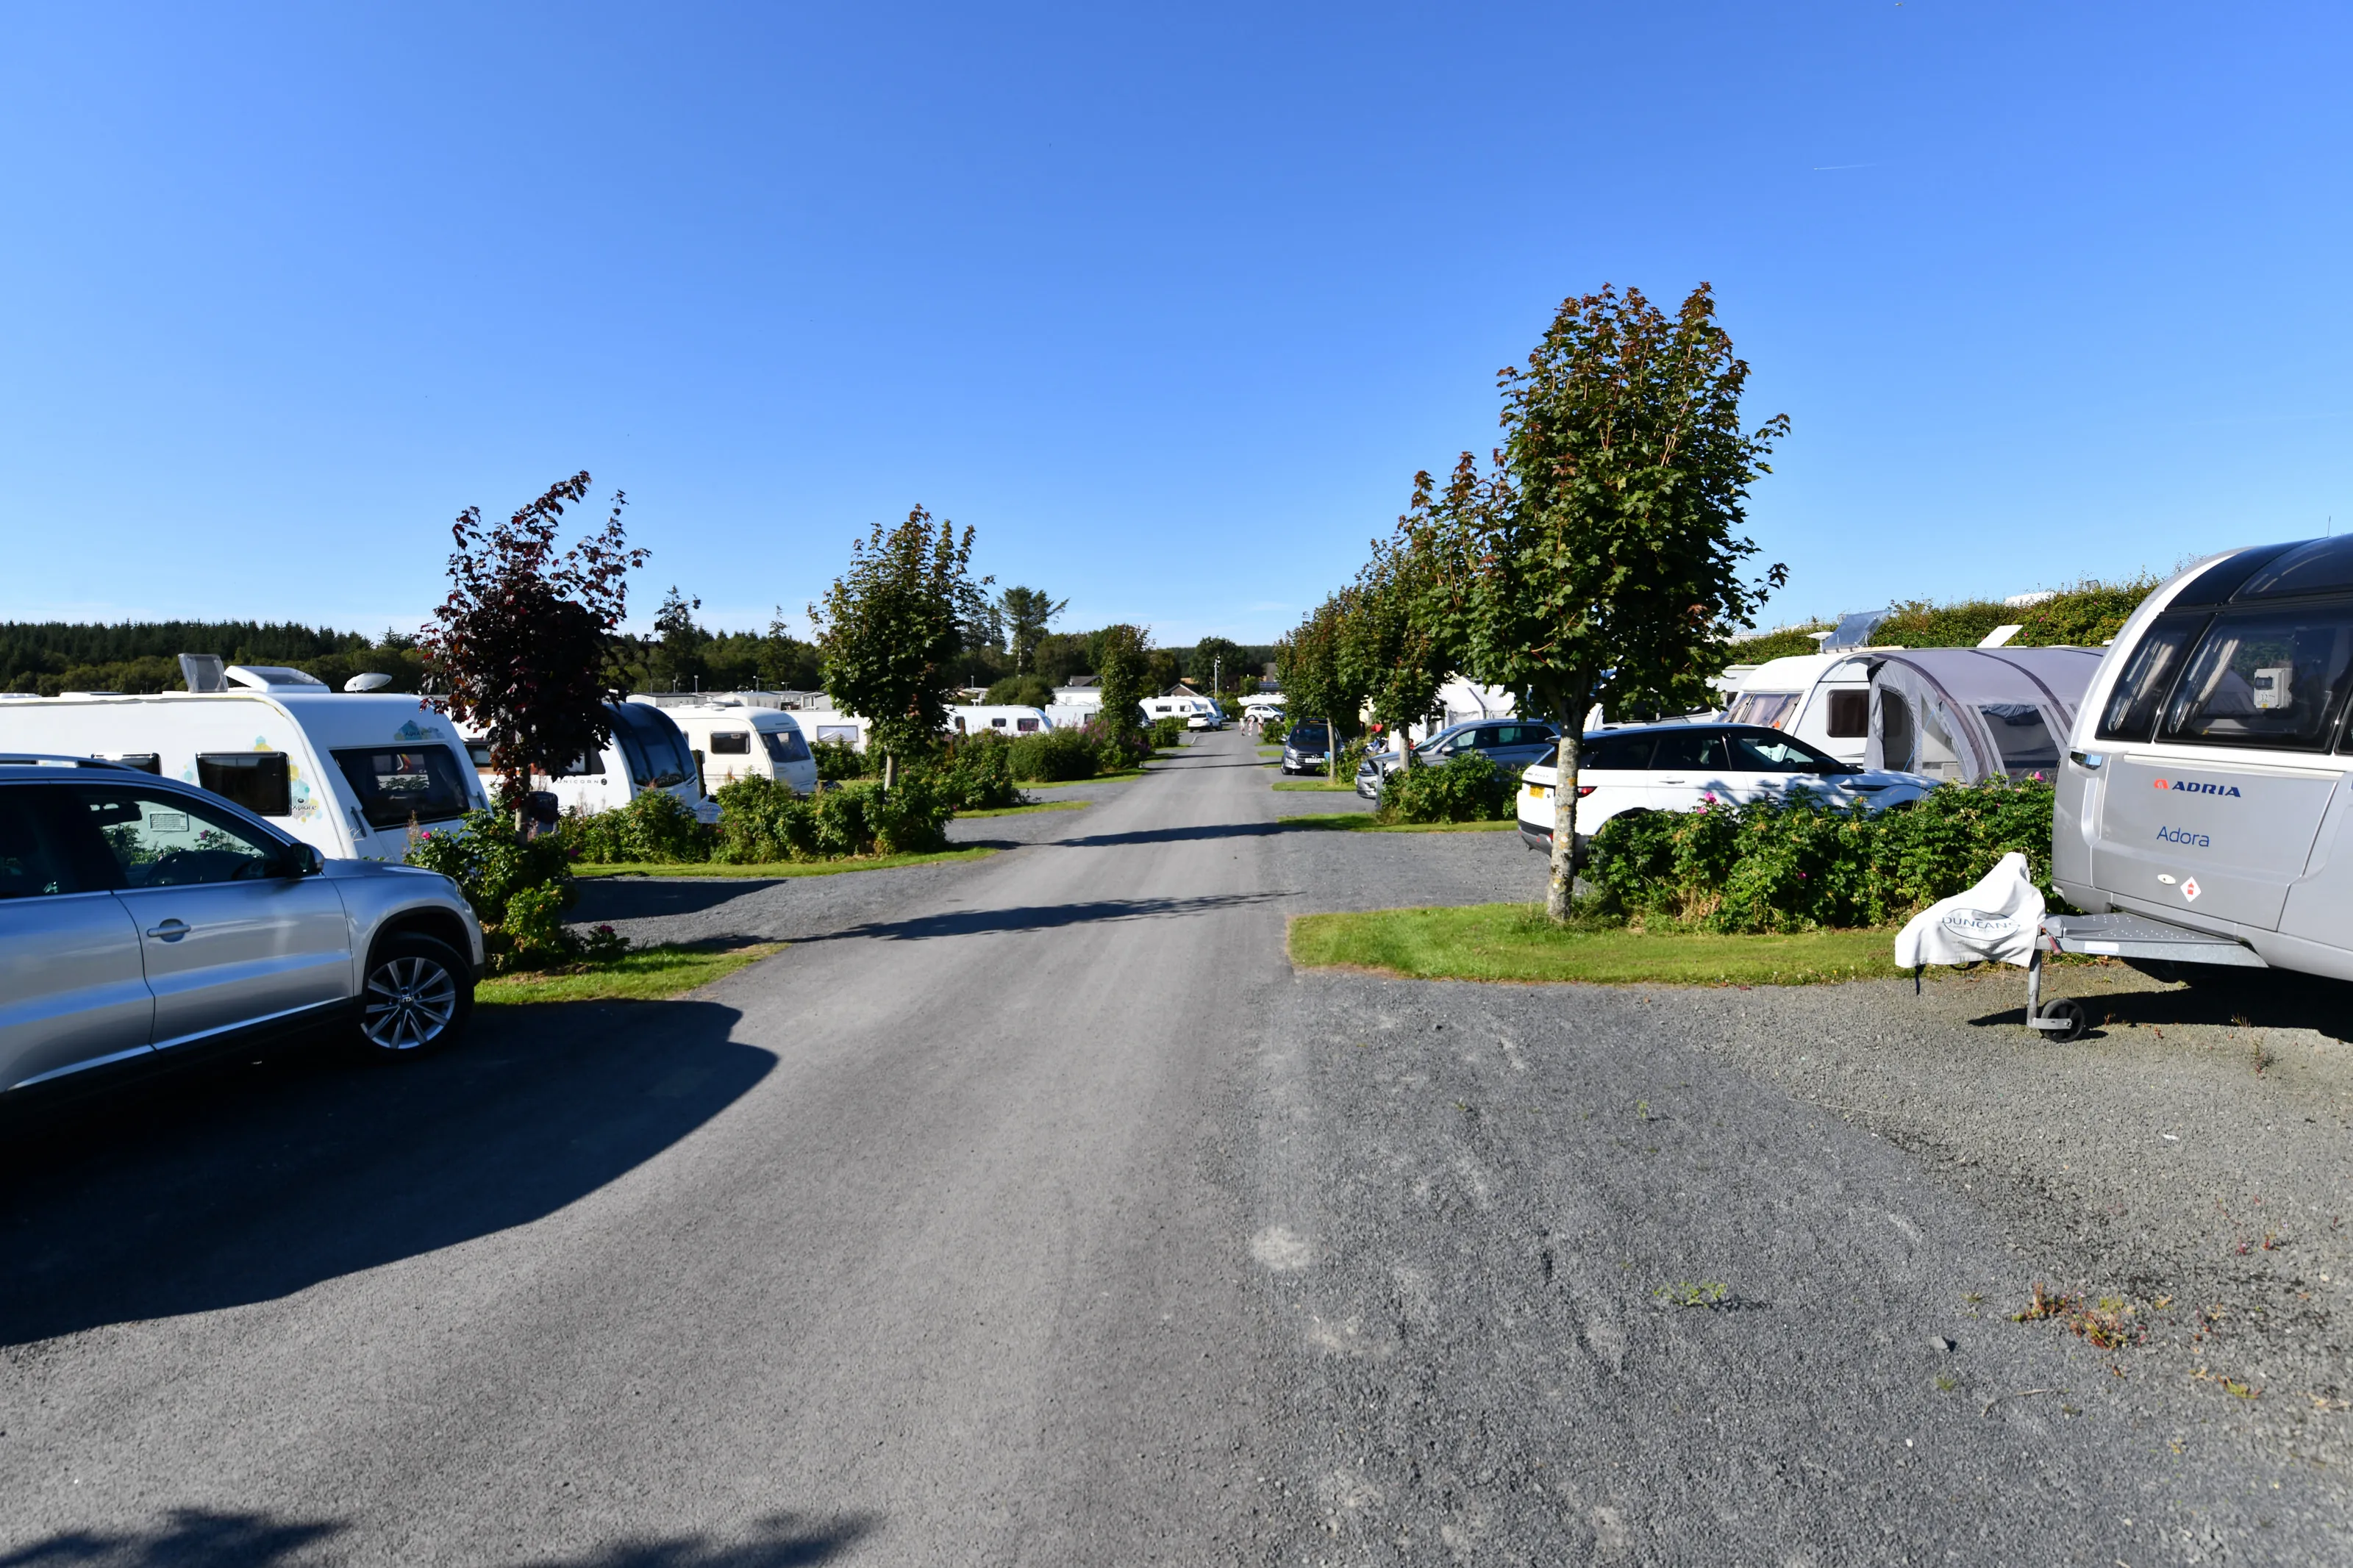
395	784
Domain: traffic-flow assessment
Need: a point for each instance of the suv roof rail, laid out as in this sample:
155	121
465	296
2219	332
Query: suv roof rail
46	760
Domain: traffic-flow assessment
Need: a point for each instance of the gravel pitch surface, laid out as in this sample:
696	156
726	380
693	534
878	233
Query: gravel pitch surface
1033	1210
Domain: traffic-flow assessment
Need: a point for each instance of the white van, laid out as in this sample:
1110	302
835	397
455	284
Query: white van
2208	783
345	773
1822	699
647	752
1006	719
736	742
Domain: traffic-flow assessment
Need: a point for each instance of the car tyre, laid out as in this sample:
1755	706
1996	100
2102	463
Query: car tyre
416	998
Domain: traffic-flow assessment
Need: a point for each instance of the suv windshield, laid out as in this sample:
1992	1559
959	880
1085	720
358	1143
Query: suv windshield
1306	735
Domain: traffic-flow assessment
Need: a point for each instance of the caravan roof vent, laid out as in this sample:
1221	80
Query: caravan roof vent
375	680
270	677
202	672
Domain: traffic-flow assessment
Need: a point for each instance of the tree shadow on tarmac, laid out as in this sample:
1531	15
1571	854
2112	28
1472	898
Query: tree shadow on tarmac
249	1180
2254	998
1045	917
199	1538
1172	834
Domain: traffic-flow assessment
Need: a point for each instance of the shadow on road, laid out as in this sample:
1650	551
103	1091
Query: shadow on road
1171	834
2250	998
249	1181
1045	917
198	1538
642	897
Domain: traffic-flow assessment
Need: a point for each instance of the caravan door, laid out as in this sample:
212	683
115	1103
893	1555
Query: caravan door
2220	817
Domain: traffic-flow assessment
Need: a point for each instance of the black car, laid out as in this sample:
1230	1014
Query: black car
1308	748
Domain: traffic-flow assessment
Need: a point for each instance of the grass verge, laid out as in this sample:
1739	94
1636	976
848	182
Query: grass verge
772	868
649	974
1313	784
1020	810
1514	941
1365	822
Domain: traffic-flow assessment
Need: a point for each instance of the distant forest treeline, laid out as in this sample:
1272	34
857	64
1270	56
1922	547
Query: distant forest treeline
51	657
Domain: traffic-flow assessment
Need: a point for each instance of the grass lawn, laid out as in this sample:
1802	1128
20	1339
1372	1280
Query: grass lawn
1099	778
1018	810
1513	942
1365	822
649	974
778	868
1315	784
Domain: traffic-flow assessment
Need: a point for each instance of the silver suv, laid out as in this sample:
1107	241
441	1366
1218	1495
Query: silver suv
1511	744
143	919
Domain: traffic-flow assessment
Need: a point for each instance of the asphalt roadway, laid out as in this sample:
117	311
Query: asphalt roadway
1046	1216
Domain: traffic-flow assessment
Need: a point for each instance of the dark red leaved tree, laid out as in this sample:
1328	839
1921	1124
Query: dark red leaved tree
517	650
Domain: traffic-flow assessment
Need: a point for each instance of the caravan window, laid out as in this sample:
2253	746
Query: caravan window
1849	715
396	785
1027	726
2024	739
1765	707
730	743
2147	676
258	781
784	745
2267	678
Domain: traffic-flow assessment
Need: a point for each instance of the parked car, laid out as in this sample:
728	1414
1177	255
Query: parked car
143	920
1509	743
1307	748
1677	766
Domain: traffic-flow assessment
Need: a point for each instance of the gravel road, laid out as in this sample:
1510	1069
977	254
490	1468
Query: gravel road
1034	1210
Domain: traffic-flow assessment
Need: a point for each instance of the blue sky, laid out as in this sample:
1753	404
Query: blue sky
1168	304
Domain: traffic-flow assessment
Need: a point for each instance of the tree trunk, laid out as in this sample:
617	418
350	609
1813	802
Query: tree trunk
1560	892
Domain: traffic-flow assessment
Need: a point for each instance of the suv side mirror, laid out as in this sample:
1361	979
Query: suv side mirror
301	861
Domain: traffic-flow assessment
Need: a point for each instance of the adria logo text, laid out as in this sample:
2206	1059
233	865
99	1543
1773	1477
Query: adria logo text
2194	787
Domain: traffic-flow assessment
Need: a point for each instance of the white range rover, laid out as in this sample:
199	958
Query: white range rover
1676	767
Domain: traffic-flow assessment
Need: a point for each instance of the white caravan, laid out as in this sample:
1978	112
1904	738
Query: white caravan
1199	713
735	742
2205	803
1000	718
1822	699
648	751
345	773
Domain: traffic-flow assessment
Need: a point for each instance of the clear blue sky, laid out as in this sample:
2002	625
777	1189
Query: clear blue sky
1169	305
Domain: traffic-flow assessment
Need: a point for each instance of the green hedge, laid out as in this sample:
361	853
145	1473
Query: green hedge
2081	614
1466	788
761	820
1801	866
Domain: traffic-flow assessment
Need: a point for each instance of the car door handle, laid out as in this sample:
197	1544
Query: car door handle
170	930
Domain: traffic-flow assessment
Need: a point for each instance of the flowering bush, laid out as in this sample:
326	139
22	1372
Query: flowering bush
1800	863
